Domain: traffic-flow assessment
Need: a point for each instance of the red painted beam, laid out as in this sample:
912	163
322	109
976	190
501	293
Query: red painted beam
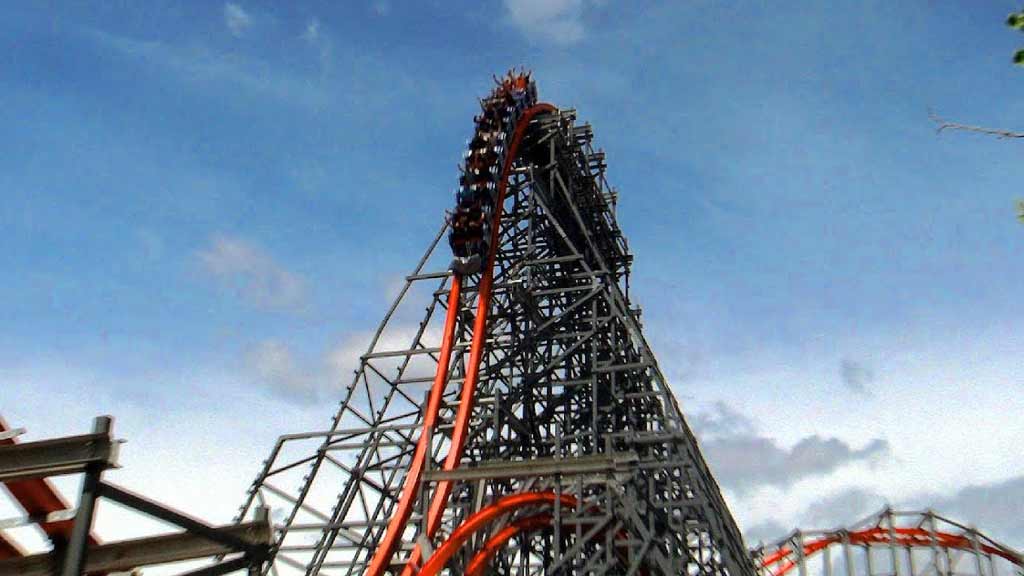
39	497
9	548
783	560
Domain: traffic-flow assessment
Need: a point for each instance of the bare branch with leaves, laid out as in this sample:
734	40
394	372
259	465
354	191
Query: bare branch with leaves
1016	21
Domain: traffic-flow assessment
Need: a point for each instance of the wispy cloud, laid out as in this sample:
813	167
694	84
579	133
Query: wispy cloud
276	368
301	379
382	7
557	21
236	19
316	37
205	67
857	376
175	452
312	32
343	359
252	274
997	507
273	364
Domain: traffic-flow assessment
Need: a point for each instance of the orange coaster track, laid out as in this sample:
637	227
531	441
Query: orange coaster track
400	518
480	519
924	530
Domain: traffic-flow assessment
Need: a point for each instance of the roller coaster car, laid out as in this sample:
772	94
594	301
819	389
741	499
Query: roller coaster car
482	164
478	182
465	265
470	233
469	238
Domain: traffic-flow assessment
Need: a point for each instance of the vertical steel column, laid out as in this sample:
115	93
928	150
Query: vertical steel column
892	542
847	554
827	558
934	543
972	535
869	562
798	546
78	544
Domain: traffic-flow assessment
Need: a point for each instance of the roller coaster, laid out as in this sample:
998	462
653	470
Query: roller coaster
890	543
523	426
509	417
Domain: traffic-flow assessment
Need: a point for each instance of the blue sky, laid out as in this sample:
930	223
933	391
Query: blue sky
207	204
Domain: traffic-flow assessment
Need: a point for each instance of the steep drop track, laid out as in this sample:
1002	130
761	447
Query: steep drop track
520	121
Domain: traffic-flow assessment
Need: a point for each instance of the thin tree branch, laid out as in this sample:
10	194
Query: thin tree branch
945	124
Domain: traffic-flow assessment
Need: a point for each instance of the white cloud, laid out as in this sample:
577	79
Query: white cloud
343	359
274	365
947	407
183	441
230	73
996	508
252	274
558	21
730	442
236	19
382	7
315	36
312	32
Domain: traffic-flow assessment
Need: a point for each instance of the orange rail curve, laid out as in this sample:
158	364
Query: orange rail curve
495	543
903	537
466	397
410	489
461	429
481	518
478	564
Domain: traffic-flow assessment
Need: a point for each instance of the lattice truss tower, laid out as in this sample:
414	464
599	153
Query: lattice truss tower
570	403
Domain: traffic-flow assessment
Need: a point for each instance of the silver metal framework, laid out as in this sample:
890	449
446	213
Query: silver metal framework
890	543
24	469
570	400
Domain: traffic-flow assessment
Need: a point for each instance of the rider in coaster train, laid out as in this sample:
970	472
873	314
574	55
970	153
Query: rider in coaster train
471	222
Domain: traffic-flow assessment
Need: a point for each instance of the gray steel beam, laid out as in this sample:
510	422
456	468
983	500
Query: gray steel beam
130	554
592	464
78	544
11	434
57	456
161	512
49	518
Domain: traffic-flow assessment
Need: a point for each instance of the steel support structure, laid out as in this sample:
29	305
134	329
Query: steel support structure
75	551
38	498
890	543
570	401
